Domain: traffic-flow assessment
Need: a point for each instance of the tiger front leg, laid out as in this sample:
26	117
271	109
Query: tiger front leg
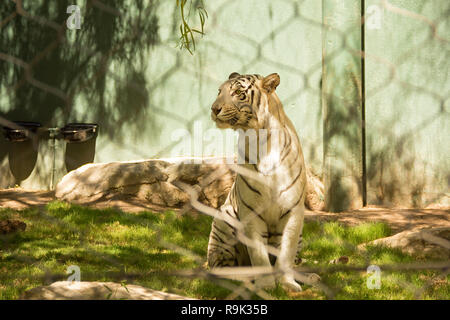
259	256
291	231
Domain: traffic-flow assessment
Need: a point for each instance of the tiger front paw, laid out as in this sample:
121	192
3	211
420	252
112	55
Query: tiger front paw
289	284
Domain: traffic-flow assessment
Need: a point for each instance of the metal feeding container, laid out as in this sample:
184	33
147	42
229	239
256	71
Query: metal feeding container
21	131
79	132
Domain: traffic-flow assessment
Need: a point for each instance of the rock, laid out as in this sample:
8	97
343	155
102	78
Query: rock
68	290
92	181
431	242
11	226
315	194
155	181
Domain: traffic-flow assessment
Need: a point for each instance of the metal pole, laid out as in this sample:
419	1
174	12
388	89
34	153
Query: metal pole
342	104
53	132
363	102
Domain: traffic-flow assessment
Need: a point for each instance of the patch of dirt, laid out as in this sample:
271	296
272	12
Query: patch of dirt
399	219
19	199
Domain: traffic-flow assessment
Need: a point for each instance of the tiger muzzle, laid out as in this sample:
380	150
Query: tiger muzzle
216	109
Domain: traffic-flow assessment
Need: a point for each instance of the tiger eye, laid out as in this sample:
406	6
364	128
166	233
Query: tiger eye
238	92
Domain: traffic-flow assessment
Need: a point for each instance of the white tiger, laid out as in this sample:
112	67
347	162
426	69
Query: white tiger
270	201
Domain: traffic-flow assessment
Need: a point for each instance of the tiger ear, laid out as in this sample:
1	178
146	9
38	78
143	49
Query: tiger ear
271	82
233	75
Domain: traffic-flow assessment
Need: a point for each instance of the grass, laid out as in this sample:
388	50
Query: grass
106	244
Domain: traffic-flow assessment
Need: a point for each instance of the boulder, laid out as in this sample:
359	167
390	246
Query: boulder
155	181
83	290
315	193
430	242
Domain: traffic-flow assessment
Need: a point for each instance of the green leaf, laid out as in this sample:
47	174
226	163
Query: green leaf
187	38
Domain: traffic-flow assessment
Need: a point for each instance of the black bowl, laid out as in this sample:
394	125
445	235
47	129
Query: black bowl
22	132
79	132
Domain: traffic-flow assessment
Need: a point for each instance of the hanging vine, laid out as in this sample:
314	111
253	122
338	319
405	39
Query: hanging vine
187	37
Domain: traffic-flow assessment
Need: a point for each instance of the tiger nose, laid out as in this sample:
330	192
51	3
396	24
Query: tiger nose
216	109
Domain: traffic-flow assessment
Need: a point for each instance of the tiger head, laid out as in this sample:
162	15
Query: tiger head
243	101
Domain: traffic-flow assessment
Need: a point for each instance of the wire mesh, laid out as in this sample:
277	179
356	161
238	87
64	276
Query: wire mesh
127	41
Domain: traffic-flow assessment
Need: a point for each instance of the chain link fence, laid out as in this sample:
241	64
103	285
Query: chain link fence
121	68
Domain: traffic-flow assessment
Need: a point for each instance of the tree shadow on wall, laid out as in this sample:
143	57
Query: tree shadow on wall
341	98
50	73
398	173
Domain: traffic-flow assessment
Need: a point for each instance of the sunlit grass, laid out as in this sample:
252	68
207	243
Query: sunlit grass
107	244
